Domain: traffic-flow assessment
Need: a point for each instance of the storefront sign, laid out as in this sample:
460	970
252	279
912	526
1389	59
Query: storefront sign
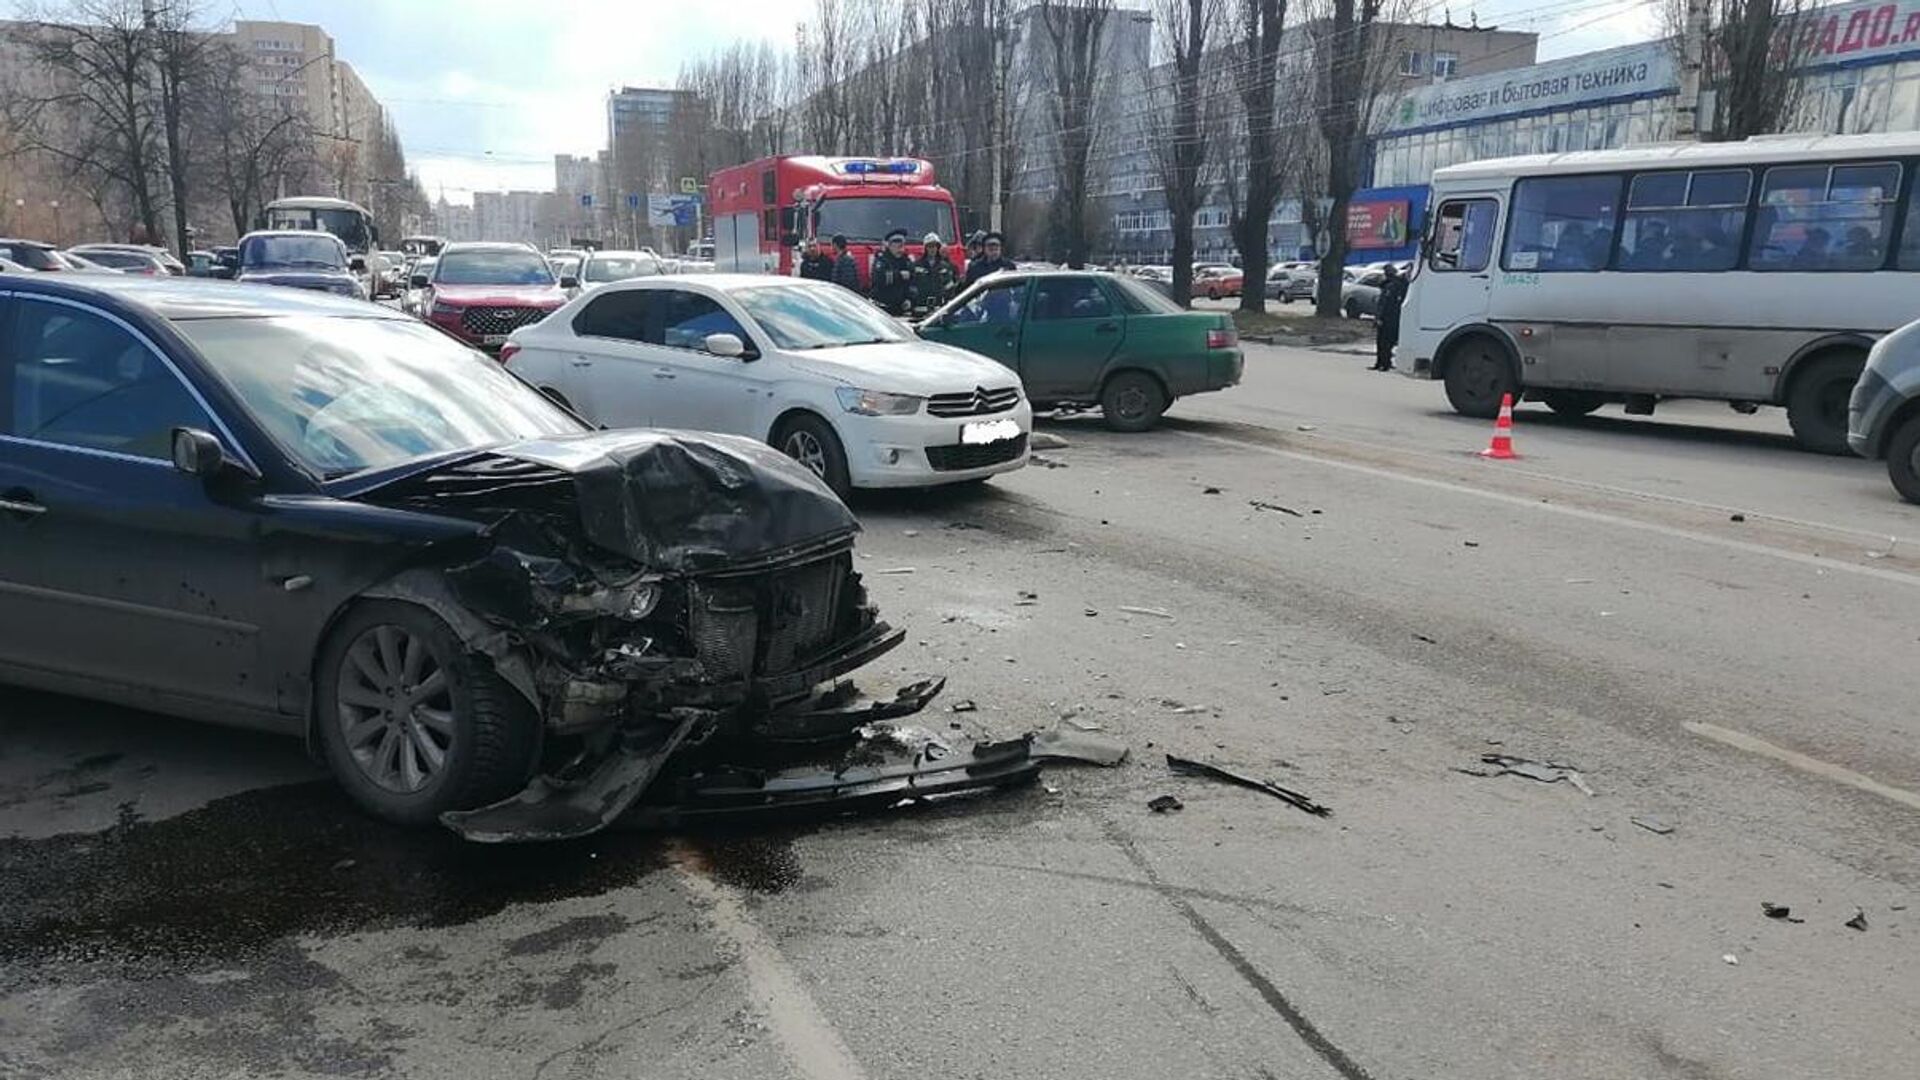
1380	223
1852	32
1556	84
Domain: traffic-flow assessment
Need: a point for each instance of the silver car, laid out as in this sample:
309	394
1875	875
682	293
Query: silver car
1883	415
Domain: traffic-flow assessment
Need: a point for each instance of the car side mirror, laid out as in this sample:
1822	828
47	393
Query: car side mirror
197	452
728	345
789	239
357	264
417	281
569	281
231	262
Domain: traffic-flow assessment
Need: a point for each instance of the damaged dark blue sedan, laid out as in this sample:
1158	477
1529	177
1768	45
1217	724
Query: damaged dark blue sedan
277	509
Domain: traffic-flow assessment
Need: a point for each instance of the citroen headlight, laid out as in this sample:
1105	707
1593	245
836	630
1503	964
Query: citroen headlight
875	403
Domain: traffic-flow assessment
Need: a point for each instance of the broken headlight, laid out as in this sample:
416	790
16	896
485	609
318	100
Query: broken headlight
639	601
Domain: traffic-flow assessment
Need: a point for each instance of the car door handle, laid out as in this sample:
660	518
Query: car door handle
665	373
582	361
25	506
1106	328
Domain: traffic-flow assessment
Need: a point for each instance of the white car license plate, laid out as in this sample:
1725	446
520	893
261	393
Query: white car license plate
987	431
493	339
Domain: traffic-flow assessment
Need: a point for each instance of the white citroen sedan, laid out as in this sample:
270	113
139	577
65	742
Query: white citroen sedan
806	365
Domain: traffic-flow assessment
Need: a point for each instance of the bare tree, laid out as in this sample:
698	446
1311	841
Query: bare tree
1074	32
1751	53
1257	76
1179	123
95	112
247	142
180	47
1349	73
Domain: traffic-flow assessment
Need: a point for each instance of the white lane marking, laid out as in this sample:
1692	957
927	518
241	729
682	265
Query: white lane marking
1826	770
809	1041
1748	547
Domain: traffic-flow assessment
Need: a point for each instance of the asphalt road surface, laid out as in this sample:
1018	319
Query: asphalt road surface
1357	608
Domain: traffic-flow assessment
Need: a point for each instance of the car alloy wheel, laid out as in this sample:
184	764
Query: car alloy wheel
802	447
396	709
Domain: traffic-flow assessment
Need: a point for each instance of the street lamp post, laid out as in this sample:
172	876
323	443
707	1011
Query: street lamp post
57	230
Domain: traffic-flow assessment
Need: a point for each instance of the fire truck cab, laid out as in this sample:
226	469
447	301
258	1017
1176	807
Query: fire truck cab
765	212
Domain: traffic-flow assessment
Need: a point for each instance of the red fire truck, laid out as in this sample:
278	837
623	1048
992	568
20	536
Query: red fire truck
765	211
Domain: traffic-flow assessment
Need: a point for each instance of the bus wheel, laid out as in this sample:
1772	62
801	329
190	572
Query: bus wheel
1572	402
1817	402
1478	375
1903	459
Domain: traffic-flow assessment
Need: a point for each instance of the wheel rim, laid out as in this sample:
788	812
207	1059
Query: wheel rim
396	709
1130	402
1482	376
802	447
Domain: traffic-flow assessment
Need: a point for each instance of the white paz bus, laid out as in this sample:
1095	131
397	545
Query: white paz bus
1755	272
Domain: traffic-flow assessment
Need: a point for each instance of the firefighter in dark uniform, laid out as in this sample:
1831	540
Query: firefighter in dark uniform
934	278
991	259
891	276
816	264
1386	318
845	273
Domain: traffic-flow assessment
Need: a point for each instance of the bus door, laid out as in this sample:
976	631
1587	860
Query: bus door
1459	261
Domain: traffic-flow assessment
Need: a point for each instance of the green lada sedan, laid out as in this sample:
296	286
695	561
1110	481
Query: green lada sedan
1085	338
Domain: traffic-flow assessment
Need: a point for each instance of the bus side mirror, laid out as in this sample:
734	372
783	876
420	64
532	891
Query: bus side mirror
417	281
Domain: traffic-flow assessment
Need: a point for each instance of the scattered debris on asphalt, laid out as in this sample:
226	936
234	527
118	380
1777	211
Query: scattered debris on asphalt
910	532
1779	912
1731	959
1188	767
1028	598
1090	612
1075	745
1259	504
1737	517
963	705
1210	491
1046	440
1892	542
895	570
1859	920
1425	638
1305	427
1652	825
963	526
1469	543
1547	772
1160	804
1155	612
1045	462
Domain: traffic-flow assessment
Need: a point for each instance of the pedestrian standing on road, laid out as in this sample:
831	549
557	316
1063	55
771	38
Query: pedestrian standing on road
845	273
816	264
934	277
891	276
1386	318
992	259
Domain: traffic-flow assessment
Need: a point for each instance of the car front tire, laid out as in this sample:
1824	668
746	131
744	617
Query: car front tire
411	723
1903	459
810	441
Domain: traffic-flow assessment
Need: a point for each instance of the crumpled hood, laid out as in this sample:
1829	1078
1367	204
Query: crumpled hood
504	295
672	501
907	367
300	279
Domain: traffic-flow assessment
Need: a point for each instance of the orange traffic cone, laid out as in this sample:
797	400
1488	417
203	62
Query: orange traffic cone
1501	449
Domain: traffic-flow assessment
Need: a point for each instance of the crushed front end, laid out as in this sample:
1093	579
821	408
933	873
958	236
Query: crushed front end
678	607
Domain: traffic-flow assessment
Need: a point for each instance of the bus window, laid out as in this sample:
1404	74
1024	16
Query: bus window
1463	235
1819	217
1910	237
1562	223
1684	221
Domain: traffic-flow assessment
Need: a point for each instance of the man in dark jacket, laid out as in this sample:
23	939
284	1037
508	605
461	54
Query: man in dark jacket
891	276
1386	317
934	277
991	259
816	264
845	273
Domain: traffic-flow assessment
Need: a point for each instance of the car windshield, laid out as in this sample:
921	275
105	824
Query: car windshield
1146	296
619	267
347	394
492	268
294	252
870	218
123	260
818	317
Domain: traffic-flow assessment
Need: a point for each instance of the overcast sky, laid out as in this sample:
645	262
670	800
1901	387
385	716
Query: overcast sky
485	92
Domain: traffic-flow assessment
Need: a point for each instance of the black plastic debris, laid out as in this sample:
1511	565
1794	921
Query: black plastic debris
1258	504
1737	517
1425	639
1652	825
1858	922
1779	912
1045	462
1073	744
1188	767
1160	804
1210	491
1546	772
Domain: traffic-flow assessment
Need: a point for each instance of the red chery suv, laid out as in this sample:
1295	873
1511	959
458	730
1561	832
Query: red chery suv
480	293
